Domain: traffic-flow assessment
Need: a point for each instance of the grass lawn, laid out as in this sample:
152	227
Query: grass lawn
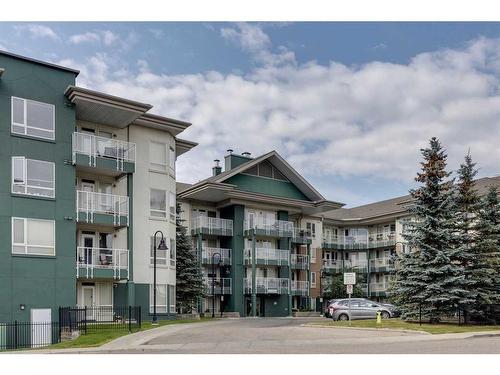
400	324
98	338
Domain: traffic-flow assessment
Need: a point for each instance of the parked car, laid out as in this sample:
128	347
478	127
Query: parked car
327	312
361	308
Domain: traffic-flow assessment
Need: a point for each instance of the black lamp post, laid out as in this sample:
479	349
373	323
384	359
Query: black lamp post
213	281
161	246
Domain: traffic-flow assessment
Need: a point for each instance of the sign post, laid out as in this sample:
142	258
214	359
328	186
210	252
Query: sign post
349	281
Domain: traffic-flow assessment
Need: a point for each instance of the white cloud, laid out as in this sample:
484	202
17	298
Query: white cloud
37	31
106	37
330	121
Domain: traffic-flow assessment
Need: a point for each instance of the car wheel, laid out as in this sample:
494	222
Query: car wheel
385	315
343	317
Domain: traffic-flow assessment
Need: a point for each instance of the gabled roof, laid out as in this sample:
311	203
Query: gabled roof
40	62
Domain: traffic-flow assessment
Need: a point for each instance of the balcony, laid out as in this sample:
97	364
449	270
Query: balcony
359	241
338	266
208	252
379	289
267	285
300	288
331	265
302	236
110	156
267	257
330	242
381	264
219	285
381	240
300	261
102	209
93	262
211	226
276	228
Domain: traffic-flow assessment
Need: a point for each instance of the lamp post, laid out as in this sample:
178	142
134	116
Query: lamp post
213	280
161	246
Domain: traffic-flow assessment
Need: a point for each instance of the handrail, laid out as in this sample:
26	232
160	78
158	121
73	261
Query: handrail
90	258
91	203
212	224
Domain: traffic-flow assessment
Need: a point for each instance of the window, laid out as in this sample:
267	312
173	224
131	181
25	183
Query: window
266	169
173	252
158	156
158	203
171	159
313	255
33	118
311	228
313	279
171	201
33	177
161	255
33	236
161	298
171	298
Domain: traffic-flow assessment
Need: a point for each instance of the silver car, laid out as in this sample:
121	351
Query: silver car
361	308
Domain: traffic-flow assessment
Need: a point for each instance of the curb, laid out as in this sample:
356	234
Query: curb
367	328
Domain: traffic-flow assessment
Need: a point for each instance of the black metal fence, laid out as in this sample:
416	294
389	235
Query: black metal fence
22	335
102	318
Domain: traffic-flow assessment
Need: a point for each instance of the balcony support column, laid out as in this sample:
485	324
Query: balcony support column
199	249
308	273
254	272
368	274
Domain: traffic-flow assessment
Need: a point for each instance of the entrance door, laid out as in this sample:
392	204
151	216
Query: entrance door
88	299
41	334
88	241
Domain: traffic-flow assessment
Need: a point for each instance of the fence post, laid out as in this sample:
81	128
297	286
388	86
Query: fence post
139	316
15	334
130	319
85	320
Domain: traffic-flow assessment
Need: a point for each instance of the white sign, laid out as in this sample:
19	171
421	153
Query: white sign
349	278
349	289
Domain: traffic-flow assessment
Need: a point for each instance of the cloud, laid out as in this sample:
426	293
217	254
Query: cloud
37	31
330	121
106	37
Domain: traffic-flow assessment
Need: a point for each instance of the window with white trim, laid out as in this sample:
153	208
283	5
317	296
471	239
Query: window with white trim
173	252
33	236
161	255
161	298
158	203
158	156
33	177
171	200
313	255
171	298
313	279
32	118
171	159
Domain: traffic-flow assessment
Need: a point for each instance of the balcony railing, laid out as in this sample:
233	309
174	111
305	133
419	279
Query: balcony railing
94	147
300	287
299	261
301	235
267	285
91	203
360	265
337	265
360	241
379	287
385	262
208	252
219	285
381	239
333	265
276	228
267	256
89	259
212	226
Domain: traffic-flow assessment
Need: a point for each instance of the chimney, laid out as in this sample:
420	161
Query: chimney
216	169
233	160
246	154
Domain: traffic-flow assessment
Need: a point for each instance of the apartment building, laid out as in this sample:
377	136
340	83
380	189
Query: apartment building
256	229
86	179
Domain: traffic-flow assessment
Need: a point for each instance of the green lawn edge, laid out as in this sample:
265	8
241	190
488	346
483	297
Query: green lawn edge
434	329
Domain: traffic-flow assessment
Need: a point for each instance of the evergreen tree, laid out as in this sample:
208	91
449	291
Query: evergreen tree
426	278
336	289
189	286
486	267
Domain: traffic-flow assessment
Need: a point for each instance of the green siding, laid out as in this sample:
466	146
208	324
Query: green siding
268	186
37	282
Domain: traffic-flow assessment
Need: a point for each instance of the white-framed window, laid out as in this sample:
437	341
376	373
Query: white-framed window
33	236
158	203
313	255
32	118
313	279
158	156
171	159
161	298
311	228
171	201
171	298
33	177
173	252
161	255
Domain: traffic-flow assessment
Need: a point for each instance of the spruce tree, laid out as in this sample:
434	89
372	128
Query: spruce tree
486	267
426	278
189	286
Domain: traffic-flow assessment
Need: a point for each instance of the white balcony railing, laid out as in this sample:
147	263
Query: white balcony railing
335	265
381	239
301	234
299	260
381	262
90	258
379	287
330	239
221	255
360	264
267	285
94	146
219	285
300	286
267	256
212	225
92	203
368	240
282	228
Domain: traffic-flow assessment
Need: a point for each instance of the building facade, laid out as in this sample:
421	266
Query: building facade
86	179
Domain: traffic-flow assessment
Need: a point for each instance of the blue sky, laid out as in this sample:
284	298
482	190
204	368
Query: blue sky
348	104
